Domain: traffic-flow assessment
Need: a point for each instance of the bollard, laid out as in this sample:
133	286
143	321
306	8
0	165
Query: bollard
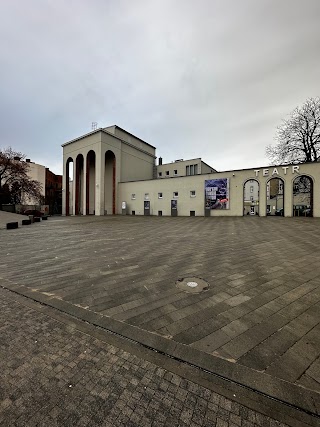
12	225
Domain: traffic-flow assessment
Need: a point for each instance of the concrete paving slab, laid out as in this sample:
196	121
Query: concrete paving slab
263	275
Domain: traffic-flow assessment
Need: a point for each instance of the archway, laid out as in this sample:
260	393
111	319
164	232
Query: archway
90	183
79	185
251	197
275	197
302	197
110	183
69	186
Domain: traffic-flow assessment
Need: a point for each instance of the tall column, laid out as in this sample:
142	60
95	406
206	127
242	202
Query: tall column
74	179
262	198
84	186
288	197
65	180
100	172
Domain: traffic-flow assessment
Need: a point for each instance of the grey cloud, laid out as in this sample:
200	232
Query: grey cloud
210	79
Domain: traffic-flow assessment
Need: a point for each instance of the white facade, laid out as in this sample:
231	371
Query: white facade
112	166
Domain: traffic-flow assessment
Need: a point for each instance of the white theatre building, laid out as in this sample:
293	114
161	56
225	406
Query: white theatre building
110	171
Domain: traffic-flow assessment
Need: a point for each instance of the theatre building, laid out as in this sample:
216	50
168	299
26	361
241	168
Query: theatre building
110	171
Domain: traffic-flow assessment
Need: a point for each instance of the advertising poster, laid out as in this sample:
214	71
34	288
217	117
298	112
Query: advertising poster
174	204
217	193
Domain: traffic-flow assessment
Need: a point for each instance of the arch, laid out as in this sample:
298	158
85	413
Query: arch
251	194
90	183
302	195
79	185
68	185
275	197
110	183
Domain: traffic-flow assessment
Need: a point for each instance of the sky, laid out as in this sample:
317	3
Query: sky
195	78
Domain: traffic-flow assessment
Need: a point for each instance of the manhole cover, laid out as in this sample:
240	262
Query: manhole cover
192	285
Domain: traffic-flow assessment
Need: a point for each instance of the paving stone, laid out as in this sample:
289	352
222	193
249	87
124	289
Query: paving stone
102	385
253	269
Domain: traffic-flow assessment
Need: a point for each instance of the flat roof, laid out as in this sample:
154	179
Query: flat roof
109	133
131	134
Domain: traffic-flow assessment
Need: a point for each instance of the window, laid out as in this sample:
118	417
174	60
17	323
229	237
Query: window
175	172
175	194
133	196
133	213
251	188
251	198
146	196
187	170
191	170
160	173
192	193
159	195
196	169
159	213
192	213
167	173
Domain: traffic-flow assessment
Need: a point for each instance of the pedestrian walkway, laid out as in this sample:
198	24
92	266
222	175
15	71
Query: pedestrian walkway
53	374
251	333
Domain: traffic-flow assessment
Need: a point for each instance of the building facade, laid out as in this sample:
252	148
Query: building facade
111	171
51	188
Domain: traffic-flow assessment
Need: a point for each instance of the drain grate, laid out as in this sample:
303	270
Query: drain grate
193	285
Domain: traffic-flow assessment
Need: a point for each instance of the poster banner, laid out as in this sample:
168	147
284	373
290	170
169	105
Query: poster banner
147	204
217	193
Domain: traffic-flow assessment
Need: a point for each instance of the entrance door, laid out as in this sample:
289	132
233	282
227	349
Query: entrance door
174	207
147	207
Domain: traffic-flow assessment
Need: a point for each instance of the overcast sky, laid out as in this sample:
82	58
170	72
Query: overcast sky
195	78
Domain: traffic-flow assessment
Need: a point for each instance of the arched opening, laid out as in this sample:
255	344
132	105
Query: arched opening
251	192
90	183
68	186
302	196
79	185
110	183
275	197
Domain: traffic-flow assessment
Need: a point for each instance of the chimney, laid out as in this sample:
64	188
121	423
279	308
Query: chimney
160	161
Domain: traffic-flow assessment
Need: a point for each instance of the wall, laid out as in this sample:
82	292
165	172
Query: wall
131	139
180	166
237	179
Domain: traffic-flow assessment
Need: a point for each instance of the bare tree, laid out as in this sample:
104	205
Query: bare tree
298	137
14	176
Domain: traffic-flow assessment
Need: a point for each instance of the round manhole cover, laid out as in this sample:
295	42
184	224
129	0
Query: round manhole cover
192	285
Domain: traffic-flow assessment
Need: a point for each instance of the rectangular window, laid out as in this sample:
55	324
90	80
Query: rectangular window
133	196
159	195
159	213
196	169
192	213
146	196
187	170
251	188
175	194
160	173
133	212
191	170
175	172
192	193
167	173
251	198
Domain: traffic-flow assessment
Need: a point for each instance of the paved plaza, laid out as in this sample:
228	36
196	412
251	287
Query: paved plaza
257	322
